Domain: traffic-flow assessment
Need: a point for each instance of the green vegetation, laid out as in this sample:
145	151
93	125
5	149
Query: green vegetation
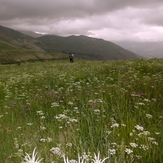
7	46
111	107
84	47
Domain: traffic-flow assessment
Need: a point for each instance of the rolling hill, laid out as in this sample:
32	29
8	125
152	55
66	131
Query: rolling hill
19	39
18	47
86	47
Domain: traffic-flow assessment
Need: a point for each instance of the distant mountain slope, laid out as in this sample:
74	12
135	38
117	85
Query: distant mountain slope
86	47
6	45
19	39
145	49
16	46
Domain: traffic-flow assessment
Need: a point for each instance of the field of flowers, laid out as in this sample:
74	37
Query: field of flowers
87	111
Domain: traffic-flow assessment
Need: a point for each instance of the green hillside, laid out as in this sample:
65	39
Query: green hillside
18	47
86	47
20	40
5	45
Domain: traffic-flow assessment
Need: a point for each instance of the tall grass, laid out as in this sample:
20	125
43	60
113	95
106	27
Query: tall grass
64	110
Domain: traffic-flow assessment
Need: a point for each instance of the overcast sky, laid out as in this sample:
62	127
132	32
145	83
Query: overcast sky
140	20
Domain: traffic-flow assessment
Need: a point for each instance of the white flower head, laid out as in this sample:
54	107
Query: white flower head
112	151
139	127
80	160
148	115
33	158
57	151
114	125
97	158
128	151
134	145
144	147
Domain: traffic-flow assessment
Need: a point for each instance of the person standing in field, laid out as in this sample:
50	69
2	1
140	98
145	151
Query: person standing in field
71	57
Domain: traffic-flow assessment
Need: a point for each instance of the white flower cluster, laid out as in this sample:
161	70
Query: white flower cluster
128	151
41	114
95	159
57	151
48	139
62	117
33	158
140	128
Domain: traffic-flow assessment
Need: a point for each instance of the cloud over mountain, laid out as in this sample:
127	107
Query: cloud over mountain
111	19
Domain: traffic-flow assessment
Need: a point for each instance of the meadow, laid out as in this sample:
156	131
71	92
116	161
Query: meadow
84	111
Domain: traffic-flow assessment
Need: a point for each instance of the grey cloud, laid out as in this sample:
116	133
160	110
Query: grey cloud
154	17
119	18
63	9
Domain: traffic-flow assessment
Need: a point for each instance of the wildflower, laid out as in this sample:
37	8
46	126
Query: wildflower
29	124
57	151
70	103
141	103
86	156
112	151
40	112
42	128
131	134
80	160
73	161
69	144
49	139
97	158
124	125
19	153
19	128
73	120
43	140
151	139
148	115
142	146
154	142
42	117
32	159
114	125
54	104
16	143
114	144
139	127
128	151
134	145
61	116
97	111
146	100
146	133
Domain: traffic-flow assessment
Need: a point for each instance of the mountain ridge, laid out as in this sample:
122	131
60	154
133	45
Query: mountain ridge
84	47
